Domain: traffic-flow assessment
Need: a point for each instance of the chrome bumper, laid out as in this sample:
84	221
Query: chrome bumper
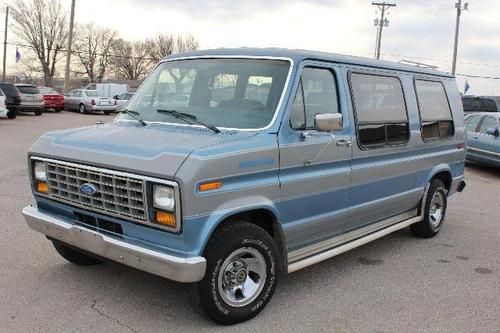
174	268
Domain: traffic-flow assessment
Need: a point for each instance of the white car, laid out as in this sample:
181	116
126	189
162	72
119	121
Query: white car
88	100
3	108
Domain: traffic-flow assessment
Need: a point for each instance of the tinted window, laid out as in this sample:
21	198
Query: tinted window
471	123
488	122
380	110
435	112
8	89
471	104
488	105
28	90
317	94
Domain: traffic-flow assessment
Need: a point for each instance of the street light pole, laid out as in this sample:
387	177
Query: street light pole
459	8
4	75
70	43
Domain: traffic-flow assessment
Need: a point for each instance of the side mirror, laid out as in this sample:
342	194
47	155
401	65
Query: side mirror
327	122
493	131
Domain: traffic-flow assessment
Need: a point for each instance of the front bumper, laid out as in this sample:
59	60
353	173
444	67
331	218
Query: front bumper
171	267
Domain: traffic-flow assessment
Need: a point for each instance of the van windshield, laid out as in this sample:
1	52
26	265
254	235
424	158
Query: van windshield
230	93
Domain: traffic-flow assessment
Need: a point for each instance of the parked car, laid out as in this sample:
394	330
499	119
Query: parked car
480	104
52	99
122	100
108	89
31	99
12	99
232	192
3	107
483	143
88	100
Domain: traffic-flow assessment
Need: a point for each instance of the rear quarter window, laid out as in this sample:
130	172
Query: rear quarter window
435	113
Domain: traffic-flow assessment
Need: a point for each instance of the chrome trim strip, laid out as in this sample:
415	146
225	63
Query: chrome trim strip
122	174
190	269
297	265
344	238
483	151
278	107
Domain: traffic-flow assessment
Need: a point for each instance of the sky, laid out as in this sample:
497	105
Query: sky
419	30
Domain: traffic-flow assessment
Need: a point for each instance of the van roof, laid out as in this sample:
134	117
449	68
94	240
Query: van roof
300	55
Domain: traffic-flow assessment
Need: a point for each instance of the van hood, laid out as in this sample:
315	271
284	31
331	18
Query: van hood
156	150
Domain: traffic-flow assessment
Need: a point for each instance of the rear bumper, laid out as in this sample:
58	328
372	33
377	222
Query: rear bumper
110	108
190	269
31	108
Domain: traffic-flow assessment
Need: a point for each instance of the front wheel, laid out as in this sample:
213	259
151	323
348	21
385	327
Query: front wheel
242	273
74	256
434	211
106	113
38	113
11	114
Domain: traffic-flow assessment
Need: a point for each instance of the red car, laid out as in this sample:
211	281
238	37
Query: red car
52	99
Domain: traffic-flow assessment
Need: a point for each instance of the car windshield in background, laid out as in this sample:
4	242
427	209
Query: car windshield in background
48	91
93	93
230	93
28	90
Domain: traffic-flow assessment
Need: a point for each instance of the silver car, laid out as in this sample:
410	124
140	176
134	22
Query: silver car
31	99
88	100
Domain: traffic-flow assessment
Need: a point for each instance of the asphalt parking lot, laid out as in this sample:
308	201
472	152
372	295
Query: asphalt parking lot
450	283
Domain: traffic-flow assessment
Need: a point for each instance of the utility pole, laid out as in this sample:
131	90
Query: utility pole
5	45
459	8
70	43
382	6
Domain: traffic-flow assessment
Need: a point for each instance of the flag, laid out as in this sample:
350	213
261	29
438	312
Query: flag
467	87
18	55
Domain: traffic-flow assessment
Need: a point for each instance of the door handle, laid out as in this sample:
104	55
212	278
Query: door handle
475	137
343	143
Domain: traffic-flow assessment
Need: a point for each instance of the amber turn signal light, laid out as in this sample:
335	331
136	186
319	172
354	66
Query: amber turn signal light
42	187
165	218
210	186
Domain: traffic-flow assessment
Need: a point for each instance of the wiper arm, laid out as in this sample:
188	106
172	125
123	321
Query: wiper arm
135	115
188	118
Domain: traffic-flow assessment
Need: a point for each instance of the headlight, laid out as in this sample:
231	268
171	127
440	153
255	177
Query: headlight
164	198
40	171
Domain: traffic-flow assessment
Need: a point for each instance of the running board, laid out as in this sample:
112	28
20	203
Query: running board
298	265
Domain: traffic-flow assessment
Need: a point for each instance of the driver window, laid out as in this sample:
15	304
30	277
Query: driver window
317	94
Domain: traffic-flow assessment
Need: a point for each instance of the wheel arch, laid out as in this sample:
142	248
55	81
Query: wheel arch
441	172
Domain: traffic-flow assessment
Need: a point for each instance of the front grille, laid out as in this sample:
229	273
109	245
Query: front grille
116	195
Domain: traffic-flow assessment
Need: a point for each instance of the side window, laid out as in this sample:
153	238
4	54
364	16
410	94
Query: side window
380	110
435	112
471	123
317	94
488	122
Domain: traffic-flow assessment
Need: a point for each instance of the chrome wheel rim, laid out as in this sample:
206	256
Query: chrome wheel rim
436	210
242	277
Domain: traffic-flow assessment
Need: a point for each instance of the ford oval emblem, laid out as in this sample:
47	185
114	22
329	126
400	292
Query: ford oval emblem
88	189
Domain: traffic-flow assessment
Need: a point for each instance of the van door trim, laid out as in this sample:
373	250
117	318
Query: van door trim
325	250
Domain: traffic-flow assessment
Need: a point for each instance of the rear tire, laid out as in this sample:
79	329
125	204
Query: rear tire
74	256
434	211
242	273
11	114
106	113
82	109
38	113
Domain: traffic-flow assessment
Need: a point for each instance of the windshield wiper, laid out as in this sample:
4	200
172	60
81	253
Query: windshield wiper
135	115
188	118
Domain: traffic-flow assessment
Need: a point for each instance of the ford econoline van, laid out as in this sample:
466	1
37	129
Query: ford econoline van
274	161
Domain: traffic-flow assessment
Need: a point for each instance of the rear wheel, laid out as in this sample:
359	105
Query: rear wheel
74	256
11	114
434	211
242	273
38	113
107	113
82	109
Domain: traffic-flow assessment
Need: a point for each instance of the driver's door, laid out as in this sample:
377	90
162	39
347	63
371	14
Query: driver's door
315	167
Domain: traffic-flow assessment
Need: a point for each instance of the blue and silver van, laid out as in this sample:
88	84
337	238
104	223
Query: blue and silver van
231	167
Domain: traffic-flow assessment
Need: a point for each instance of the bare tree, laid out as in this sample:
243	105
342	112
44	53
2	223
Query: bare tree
186	43
43	25
93	46
131	59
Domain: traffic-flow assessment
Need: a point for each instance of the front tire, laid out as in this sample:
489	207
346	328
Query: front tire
11	114
434	211
106	113
38	113
242	273
74	256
